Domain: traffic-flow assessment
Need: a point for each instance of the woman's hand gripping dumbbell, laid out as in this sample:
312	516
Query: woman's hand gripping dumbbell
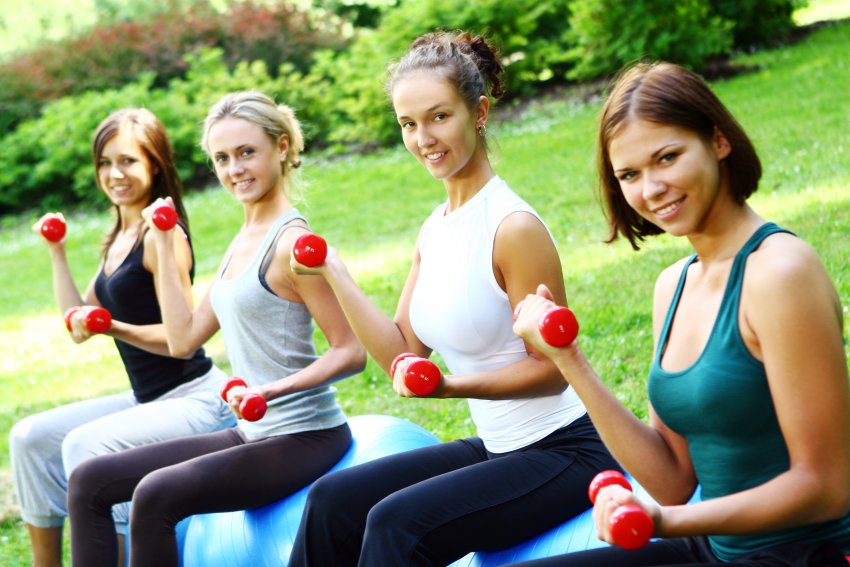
95	319
629	525
558	326
52	227
421	376
252	407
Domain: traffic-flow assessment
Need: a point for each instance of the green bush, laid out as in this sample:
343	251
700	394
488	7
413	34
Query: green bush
609	33
757	22
48	159
111	55
338	94
533	39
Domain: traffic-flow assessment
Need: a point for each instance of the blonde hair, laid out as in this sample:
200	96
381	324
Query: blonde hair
275	119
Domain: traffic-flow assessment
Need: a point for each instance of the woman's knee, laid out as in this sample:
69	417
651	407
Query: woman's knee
328	494
29	436
83	485
151	488
393	513
78	446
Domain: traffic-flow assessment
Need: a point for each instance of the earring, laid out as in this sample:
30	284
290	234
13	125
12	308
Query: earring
482	130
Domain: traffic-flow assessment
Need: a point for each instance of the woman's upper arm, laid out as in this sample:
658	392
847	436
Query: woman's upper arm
792	310
204	322
320	300
89	297
525	256
402	313
182	256
680	477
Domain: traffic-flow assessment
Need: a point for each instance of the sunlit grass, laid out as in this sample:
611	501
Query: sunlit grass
820	10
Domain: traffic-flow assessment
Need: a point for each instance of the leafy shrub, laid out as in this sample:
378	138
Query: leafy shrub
757	22
47	162
610	33
112	55
533	39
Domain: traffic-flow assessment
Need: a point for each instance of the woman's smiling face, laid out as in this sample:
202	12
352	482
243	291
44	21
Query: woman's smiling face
247	162
669	175
124	172
437	126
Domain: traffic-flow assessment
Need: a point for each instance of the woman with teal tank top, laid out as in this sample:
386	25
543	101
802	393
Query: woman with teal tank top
265	313
748	387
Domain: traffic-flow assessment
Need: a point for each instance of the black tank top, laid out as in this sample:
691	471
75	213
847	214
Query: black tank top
129	295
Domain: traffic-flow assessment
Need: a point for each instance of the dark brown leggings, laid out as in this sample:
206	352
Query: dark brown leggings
170	481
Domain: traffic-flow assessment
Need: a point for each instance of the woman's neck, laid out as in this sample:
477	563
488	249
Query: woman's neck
266	210
131	218
466	184
725	237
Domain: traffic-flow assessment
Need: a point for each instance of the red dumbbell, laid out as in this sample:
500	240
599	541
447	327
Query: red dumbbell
422	376
97	319
558	326
252	407
164	217
53	229
630	525
310	250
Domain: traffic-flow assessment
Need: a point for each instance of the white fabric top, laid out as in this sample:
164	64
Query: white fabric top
459	310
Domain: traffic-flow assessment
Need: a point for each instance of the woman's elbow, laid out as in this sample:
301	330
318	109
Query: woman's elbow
836	504
181	351
357	358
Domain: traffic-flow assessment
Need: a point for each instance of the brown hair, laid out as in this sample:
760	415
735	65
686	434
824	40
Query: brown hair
469	63
151	136
665	93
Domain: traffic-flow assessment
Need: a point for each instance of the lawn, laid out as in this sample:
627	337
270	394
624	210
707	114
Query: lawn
793	101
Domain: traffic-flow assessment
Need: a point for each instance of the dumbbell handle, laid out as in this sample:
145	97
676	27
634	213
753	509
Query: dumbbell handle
97	319
421	377
252	407
630	525
558	326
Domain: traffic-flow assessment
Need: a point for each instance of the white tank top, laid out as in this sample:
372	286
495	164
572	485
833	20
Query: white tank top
459	310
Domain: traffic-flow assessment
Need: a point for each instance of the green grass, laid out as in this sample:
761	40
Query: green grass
794	103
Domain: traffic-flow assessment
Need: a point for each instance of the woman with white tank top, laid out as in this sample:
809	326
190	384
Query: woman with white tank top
478	254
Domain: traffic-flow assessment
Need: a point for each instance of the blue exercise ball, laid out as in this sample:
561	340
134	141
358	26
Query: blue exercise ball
263	537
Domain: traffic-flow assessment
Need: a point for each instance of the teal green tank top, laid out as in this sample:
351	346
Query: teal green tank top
722	405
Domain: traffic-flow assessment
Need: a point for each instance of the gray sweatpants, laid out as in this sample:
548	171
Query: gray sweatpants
47	446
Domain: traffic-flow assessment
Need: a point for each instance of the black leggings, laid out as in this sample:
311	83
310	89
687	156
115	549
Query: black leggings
433	505
170	481
687	552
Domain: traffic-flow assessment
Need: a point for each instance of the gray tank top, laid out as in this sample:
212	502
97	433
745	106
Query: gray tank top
268	338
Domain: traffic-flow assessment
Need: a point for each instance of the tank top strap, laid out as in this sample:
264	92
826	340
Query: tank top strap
269	240
729	306
270	243
671	310
732	295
